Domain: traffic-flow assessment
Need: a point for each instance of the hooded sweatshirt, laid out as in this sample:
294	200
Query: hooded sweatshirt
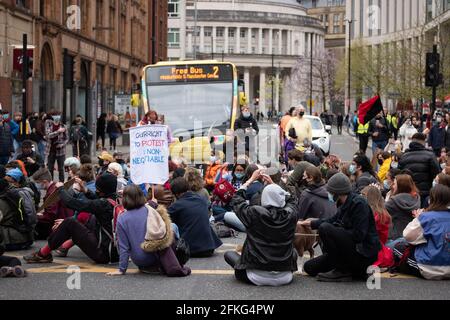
400	208
314	203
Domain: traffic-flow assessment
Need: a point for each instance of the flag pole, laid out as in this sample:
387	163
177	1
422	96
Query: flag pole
385	119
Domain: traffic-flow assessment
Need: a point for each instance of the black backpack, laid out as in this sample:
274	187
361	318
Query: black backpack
182	251
21	221
224	231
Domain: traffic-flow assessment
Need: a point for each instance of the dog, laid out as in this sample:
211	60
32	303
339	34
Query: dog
305	238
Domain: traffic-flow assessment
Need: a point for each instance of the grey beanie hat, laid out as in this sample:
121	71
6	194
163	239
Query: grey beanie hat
339	184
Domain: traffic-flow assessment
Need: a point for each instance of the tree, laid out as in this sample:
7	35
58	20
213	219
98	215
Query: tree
323	73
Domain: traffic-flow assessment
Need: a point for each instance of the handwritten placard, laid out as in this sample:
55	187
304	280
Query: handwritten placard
149	154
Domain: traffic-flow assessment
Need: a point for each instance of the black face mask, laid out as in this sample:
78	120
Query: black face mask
302	114
380	162
101	162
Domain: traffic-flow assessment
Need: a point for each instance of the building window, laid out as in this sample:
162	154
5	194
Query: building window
429	10
208	32
253	49
174	8
230	50
219	32
242	33
173	37
231	33
336	29
263	50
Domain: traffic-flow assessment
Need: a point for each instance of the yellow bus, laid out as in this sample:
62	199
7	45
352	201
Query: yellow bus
199	101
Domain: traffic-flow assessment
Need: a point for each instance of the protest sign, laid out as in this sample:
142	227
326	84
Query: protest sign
149	154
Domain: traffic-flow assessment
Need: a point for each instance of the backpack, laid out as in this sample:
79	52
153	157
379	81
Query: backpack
224	231
117	212
22	222
224	190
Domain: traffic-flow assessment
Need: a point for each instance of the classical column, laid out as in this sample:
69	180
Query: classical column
247	83
270	41
249	40
225	46
301	44
202	38
308	44
277	91
238	40
280	41
262	91
214	39
288	42
260	40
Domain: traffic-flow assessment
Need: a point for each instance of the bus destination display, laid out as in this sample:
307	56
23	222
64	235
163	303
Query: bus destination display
190	73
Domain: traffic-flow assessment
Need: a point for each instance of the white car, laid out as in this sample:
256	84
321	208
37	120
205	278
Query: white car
320	134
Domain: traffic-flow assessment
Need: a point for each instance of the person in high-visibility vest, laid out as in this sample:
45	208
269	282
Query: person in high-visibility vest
363	135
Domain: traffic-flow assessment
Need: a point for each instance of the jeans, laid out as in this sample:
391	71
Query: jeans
4	160
340	253
52	158
41	148
81	236
176	230
233	221
378	145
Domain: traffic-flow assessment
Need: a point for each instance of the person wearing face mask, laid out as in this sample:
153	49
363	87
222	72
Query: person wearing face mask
53	212
436	138
98	245
406	132
313	202
103	161
247	125
364	173
211	172
21	130
384	161
378	130
57	138
350	239
302	126
6	139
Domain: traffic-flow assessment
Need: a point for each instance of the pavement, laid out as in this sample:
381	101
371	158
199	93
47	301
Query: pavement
211	279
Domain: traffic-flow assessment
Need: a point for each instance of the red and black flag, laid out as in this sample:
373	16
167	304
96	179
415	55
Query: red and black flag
369	109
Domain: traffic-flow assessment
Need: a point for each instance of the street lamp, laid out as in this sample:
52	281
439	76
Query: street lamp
350	21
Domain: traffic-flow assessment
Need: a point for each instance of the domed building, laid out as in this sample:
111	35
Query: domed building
263	38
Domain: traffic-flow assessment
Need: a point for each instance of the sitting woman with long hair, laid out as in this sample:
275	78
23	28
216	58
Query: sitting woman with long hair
146	235
382	223
427	254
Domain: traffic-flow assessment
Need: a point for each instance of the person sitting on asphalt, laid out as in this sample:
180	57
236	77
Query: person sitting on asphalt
146	235
190	213
9	266
52	213
363	172
313	202
98	245
427	238
384	161
403	201
71	167
116	169
295	183
350	239
32	160
382	221
268	257
16	226
423	165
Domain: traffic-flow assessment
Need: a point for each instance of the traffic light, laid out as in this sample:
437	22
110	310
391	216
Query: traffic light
432	76
68	70
30	67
